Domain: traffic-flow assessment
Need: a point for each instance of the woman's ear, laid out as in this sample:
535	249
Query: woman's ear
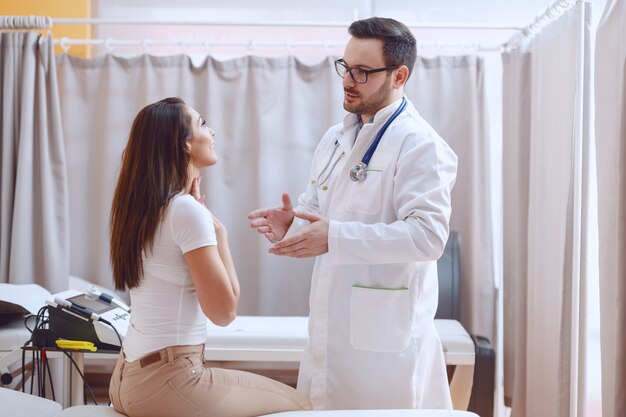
187	147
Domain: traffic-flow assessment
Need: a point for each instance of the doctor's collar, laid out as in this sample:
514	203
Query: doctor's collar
360	122
354	119
386	111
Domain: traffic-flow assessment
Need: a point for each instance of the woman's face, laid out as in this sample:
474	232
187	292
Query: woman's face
201	145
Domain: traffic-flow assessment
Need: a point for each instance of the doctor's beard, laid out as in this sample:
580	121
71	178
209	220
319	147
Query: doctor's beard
369	105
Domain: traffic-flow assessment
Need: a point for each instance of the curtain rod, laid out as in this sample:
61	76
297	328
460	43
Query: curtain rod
549	15
109	43
274	23
25	22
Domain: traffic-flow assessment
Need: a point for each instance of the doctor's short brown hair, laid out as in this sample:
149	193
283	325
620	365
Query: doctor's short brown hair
400	47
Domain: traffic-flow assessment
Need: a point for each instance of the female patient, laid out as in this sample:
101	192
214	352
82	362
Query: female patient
173	255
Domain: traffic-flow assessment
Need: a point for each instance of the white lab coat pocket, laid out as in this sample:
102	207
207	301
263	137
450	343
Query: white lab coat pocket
380	319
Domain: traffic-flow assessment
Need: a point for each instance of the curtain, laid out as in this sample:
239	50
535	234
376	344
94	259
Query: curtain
610	93
34	241
450	93
269	114
546	216
516	154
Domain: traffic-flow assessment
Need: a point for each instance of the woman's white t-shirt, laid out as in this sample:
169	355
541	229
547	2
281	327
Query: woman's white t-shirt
165	310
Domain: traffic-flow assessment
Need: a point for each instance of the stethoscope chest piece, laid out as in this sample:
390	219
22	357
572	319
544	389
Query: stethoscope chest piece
358	173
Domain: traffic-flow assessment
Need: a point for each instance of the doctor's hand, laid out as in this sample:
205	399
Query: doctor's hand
310	241
273	223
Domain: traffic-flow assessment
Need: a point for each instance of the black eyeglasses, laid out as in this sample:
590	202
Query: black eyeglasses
359	75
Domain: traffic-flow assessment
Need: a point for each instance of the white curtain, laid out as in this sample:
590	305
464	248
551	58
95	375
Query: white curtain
269	114
34	245
516	153
610	93
546	216
450	93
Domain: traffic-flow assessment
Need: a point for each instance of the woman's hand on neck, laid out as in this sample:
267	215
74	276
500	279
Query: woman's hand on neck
193	184
195	190
192	174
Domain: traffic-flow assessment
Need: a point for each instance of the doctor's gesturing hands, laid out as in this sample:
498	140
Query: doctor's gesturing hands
273	223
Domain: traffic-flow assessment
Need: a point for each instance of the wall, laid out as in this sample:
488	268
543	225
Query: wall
60	9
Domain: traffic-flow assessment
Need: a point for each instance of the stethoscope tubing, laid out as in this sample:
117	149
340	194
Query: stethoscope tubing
358	173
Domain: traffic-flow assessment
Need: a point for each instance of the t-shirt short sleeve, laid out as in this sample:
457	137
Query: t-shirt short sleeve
191	224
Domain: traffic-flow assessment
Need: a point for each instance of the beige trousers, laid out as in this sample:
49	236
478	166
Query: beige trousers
175	382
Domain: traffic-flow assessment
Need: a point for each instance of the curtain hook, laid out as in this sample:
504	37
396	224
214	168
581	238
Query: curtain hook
250	45
327	47
108	45
64	44
146	45
207	45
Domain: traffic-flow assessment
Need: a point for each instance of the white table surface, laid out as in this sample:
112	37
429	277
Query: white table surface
375	413
282	339
279	339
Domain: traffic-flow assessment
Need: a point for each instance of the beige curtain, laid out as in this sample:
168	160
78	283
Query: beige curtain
546	217
450	94
34	241
610	92
269	114
516	149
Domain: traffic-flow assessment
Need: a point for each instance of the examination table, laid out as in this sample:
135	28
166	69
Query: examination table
18	404
270	341
263	339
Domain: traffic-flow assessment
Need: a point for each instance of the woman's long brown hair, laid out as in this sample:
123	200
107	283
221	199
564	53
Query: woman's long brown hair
153	171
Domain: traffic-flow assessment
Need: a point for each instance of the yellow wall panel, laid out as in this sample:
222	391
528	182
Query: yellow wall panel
56	8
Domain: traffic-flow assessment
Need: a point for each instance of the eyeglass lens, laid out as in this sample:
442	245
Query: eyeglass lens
358	75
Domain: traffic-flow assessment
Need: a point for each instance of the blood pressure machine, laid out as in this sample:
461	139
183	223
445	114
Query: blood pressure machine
90	316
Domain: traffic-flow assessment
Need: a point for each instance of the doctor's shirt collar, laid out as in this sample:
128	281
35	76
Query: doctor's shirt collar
380	117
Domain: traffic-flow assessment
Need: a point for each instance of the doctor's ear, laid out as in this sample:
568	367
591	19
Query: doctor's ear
402	74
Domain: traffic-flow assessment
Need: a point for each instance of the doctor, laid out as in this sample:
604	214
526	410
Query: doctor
375	214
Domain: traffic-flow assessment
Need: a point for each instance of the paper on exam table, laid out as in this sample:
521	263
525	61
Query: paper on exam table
260	332
22	298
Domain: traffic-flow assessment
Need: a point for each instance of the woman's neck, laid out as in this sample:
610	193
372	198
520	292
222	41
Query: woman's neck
193	173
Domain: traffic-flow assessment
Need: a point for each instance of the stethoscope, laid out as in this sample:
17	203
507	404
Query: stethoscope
320	182
358	173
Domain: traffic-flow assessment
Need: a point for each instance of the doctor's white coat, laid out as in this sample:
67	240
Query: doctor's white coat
372	340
